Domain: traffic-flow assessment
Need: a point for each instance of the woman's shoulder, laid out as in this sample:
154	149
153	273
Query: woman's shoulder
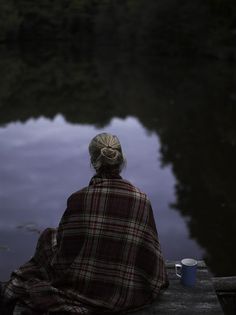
136	190
118	185
78	193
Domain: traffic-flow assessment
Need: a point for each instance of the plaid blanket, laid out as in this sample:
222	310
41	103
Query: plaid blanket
104	257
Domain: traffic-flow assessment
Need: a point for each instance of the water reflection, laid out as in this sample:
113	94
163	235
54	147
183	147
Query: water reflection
188	106
44	161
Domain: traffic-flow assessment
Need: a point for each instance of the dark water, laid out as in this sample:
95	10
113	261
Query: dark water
175	120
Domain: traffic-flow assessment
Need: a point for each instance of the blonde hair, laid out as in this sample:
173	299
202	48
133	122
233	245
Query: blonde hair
106	153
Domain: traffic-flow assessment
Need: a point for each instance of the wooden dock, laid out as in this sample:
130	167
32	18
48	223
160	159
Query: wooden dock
210	296
179	300
226	291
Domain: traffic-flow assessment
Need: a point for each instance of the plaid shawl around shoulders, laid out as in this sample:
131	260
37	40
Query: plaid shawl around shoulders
104	257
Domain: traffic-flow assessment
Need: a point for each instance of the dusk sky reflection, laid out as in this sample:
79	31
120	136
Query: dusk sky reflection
44	161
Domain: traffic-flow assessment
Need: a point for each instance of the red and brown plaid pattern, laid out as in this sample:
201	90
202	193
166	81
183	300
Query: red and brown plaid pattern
104	256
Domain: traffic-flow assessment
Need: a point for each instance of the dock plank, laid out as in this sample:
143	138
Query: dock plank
180	300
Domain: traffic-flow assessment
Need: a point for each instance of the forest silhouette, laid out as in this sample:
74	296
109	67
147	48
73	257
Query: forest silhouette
170	27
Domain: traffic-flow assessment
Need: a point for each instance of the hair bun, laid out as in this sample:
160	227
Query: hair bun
109	153
106	153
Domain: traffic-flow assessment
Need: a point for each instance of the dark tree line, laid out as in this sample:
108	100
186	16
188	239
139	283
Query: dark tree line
165	26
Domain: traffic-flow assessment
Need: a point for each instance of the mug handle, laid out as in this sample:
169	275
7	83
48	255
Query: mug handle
178	266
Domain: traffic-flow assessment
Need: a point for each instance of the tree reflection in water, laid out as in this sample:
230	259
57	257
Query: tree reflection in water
189	104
